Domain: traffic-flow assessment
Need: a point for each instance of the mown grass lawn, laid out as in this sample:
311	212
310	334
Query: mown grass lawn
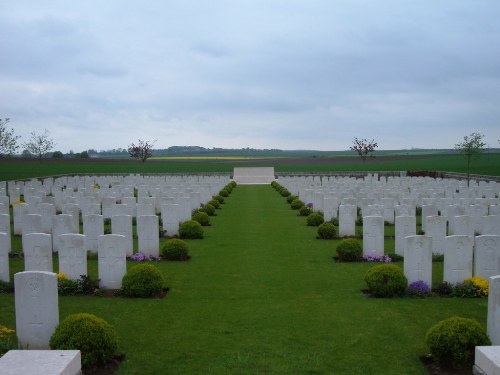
261	295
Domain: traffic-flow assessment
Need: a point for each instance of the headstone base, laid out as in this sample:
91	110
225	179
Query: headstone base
41	362
487	360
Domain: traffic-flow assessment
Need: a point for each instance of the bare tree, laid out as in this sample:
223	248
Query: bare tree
472	146
142	151
8	141
39	144
363	147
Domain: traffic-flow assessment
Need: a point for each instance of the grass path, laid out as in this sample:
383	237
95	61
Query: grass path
262	296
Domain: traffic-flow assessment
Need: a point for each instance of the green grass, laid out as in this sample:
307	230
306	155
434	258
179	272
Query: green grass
262	296
11	169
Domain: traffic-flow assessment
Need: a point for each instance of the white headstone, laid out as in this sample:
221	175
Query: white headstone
347	220
93	227
487	256
436	229
73	210
19	210
464	225
148	233
41	362
111	261
458	252
5	223
493	329
72	255
373	235
490	225
37	248
405	226
145	209
61	224
32	223
169	216
122	224
418	259
4	256
37	309
428	210
46	210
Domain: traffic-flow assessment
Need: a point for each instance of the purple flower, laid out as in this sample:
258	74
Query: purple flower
310	205
418	288
371	257
139	257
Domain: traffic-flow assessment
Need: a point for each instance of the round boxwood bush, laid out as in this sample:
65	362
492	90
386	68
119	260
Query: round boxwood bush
315	219
349	250
326	231
305	211
209	209
220	198
297	204
386	280
232	184
285	193
175	249
452	341
202	218
215	203
291	198
191	229
94	337
142	280
224	193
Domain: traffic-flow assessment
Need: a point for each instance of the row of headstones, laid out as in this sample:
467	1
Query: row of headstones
409	186
72	257
50	223
464	256
37	309
89	193
433	225
414	191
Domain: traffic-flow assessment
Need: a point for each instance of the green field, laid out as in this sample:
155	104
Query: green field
488	164
261	295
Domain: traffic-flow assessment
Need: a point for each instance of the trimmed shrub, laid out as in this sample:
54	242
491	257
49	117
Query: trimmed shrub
142	280
326	231
297	204
94	337
215	203
220	198
349	250
386	280
209	209
224	193
315	219
452	341
175	249
191	229
285	193
291	198
202	218
305	211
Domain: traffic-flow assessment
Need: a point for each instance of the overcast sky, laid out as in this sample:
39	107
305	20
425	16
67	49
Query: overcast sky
289	74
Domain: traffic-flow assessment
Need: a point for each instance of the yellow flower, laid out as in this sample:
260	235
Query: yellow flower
62	276
481	283
96	186
17	202
5	332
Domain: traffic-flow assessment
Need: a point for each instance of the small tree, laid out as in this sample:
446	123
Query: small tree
39	144
8	141
471	147
143	150
363	147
